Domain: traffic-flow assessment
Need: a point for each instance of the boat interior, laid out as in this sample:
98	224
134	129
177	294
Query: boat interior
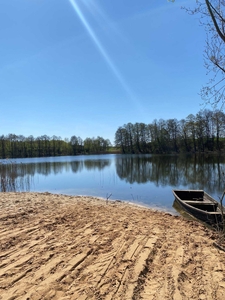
190	195
196	199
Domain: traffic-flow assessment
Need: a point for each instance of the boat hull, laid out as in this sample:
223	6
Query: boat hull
200	205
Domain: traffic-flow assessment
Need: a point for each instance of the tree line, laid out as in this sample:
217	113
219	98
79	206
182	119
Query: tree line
202	132
19	146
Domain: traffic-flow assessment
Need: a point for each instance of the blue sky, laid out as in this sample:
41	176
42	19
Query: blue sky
86	67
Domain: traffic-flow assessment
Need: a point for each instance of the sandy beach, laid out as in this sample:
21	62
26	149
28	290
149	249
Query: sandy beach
68	247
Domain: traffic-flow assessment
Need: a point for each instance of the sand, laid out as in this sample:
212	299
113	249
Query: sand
63	247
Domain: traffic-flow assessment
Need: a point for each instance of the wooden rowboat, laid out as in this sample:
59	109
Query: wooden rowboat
200	205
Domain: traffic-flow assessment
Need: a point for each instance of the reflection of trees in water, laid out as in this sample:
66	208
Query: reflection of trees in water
78	166
97	164
133	168
14	178
74	166
55	168
202	171
17	177
164	170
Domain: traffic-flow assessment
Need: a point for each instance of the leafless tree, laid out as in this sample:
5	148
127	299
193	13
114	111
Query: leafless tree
212	17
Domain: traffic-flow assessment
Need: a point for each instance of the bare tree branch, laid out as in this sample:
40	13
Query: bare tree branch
211	9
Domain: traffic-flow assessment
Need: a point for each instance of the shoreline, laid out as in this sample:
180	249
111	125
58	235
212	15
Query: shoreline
162	209
57	246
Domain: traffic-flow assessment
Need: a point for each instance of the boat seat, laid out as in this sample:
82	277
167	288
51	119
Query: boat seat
200	203
198	199
206	206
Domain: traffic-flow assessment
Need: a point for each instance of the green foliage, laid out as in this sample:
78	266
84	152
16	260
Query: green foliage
200	133
18	146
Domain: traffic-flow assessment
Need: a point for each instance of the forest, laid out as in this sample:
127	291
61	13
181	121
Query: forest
18	146
202	132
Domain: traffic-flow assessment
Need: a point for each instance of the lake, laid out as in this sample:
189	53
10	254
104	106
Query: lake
142	179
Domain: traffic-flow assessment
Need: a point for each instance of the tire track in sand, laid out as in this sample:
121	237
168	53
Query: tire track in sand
67	248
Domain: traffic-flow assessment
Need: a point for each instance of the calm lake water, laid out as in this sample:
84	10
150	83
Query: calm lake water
142	179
